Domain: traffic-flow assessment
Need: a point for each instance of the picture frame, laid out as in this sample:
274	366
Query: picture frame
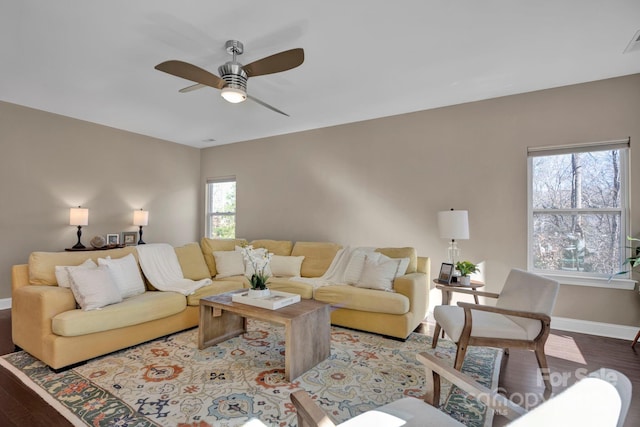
446	273
129	238
113	239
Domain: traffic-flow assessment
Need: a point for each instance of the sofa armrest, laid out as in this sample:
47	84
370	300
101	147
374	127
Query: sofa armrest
424	265
32	310
415	287
19	276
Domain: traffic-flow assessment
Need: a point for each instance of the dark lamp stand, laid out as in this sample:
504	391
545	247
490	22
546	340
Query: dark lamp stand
140	241
79	245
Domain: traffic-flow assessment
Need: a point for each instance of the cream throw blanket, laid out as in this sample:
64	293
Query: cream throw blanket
334	274
160	265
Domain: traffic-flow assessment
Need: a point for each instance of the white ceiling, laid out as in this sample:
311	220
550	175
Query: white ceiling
93	60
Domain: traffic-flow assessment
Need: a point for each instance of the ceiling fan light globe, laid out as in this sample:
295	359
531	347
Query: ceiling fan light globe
234	95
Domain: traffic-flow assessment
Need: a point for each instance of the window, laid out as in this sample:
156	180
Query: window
221	208
578	200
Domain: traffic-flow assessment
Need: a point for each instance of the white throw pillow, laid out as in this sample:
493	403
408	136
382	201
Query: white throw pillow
402	268
62	272
229	263
94	288
353	270
126	274
378	274
286	266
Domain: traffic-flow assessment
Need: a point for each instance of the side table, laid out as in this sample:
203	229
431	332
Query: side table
447	289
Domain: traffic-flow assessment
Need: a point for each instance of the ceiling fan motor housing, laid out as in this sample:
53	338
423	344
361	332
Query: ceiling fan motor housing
234	75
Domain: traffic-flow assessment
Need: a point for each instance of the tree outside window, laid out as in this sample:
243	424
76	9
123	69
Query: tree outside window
221	209
578	212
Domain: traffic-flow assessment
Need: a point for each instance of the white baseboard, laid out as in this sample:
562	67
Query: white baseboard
5	303
595	328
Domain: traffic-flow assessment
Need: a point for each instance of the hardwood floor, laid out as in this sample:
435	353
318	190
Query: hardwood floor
569	355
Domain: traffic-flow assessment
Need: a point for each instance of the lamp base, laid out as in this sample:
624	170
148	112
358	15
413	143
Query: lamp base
79	245
140	241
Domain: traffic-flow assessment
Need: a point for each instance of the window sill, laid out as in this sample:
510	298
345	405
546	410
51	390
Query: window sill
596	282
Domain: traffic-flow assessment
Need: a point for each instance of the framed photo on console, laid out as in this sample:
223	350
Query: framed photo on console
129	238
446	273
113	239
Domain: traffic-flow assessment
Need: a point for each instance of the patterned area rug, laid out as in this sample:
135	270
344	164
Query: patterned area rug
169	382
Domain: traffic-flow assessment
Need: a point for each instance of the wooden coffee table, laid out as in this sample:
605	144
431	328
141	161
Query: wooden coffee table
307	327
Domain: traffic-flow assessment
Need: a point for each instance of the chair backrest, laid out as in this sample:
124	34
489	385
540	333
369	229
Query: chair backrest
593	401
530	292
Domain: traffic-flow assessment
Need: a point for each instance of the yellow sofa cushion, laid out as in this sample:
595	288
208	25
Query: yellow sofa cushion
276	247
208	246
42	265
350	297
317	257
402	253
131	311
305	290
192	262
217	287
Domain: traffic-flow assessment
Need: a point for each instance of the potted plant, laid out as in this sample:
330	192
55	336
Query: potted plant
633	261
466	268
258	274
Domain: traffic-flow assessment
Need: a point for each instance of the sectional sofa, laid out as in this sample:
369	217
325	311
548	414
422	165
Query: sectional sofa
47	323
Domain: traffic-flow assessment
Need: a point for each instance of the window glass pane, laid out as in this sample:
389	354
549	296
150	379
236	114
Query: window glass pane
587	243
222	226
222	197
221	209
578	180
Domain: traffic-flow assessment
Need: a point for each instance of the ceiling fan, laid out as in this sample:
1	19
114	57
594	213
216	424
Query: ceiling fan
234	76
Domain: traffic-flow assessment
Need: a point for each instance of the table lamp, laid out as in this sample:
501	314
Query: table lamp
79	216
141	219
453	225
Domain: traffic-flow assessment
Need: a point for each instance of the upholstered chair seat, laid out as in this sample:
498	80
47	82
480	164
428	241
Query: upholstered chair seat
521	318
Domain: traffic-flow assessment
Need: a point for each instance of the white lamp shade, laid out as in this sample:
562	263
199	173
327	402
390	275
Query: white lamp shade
140	217
453	225
79	216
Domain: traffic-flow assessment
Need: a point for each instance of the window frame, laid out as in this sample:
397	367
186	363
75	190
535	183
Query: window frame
583	278
209	214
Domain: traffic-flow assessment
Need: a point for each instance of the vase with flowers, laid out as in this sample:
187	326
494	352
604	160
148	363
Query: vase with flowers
257	270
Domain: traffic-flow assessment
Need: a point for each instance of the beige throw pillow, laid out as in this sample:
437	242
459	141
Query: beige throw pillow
62	272
353	270
126	275
286	266
229	263
94	288
378	273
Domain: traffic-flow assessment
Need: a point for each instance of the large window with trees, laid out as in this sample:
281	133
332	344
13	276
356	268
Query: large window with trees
578	208
221	208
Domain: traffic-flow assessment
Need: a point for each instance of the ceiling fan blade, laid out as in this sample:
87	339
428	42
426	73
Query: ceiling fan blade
264	104
191	72
275	63
191	88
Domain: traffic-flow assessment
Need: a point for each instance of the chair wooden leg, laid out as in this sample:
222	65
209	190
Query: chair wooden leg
460	353
635	340
544	368
436	334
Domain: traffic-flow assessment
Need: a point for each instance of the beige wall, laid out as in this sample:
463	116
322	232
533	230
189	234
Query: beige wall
49	163
381	182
